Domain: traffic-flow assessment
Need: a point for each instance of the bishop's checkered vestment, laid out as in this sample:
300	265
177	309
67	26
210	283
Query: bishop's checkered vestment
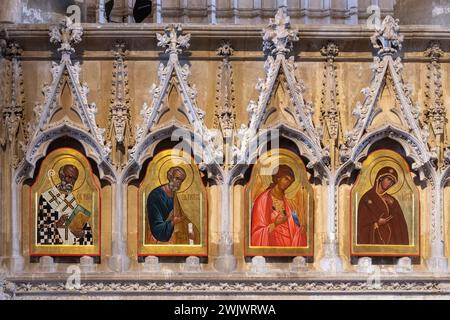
53	204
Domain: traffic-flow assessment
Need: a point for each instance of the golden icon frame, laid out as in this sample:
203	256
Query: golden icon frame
87	193
152	180
266	161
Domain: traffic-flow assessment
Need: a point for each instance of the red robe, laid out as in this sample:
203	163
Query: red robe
287	234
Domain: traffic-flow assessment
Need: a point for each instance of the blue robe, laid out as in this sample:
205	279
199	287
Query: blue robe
159	206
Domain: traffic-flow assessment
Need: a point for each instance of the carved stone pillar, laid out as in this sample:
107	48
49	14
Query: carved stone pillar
157	13
226	261
435	118
331	262
10	11
119	260
225	117
101	14
437	262
2	154
212	11
12	136
16	261
330	118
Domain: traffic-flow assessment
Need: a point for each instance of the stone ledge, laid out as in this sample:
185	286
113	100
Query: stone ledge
148	30
223	288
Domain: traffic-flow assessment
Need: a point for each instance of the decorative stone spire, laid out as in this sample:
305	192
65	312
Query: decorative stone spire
387	38
387	71
329	110
173	73
435	114
64	72
225	101
119	120
66	34
14	133
434	51
435	110
278	36
225	113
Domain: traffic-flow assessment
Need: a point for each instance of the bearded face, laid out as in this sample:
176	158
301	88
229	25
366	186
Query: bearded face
176	180
66	186
68	176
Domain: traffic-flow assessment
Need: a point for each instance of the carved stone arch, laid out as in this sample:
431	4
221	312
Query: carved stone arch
37	149
412	147
445	177
147	147
307	148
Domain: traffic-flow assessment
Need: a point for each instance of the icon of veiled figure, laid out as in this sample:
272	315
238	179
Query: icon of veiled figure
380	217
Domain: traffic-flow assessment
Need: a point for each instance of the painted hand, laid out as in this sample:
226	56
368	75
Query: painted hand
178	219
383	221
61	221
280	219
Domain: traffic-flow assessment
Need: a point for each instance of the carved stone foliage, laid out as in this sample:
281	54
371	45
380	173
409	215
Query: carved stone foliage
13	133
387	74
435	114
174	75
120	131
173	39
387	37
79	115
249	287
66	34
278	38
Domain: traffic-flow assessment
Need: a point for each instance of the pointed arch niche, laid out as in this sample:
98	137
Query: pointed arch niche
156	144
283	141
403	147
64	119
171	120
280	118
103	209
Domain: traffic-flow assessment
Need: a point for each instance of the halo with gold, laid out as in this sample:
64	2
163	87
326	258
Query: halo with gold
63	161
272	159
388	162
171	161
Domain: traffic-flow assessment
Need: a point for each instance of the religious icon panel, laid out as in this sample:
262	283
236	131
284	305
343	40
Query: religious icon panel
279	207
65	207
385	208
172	207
